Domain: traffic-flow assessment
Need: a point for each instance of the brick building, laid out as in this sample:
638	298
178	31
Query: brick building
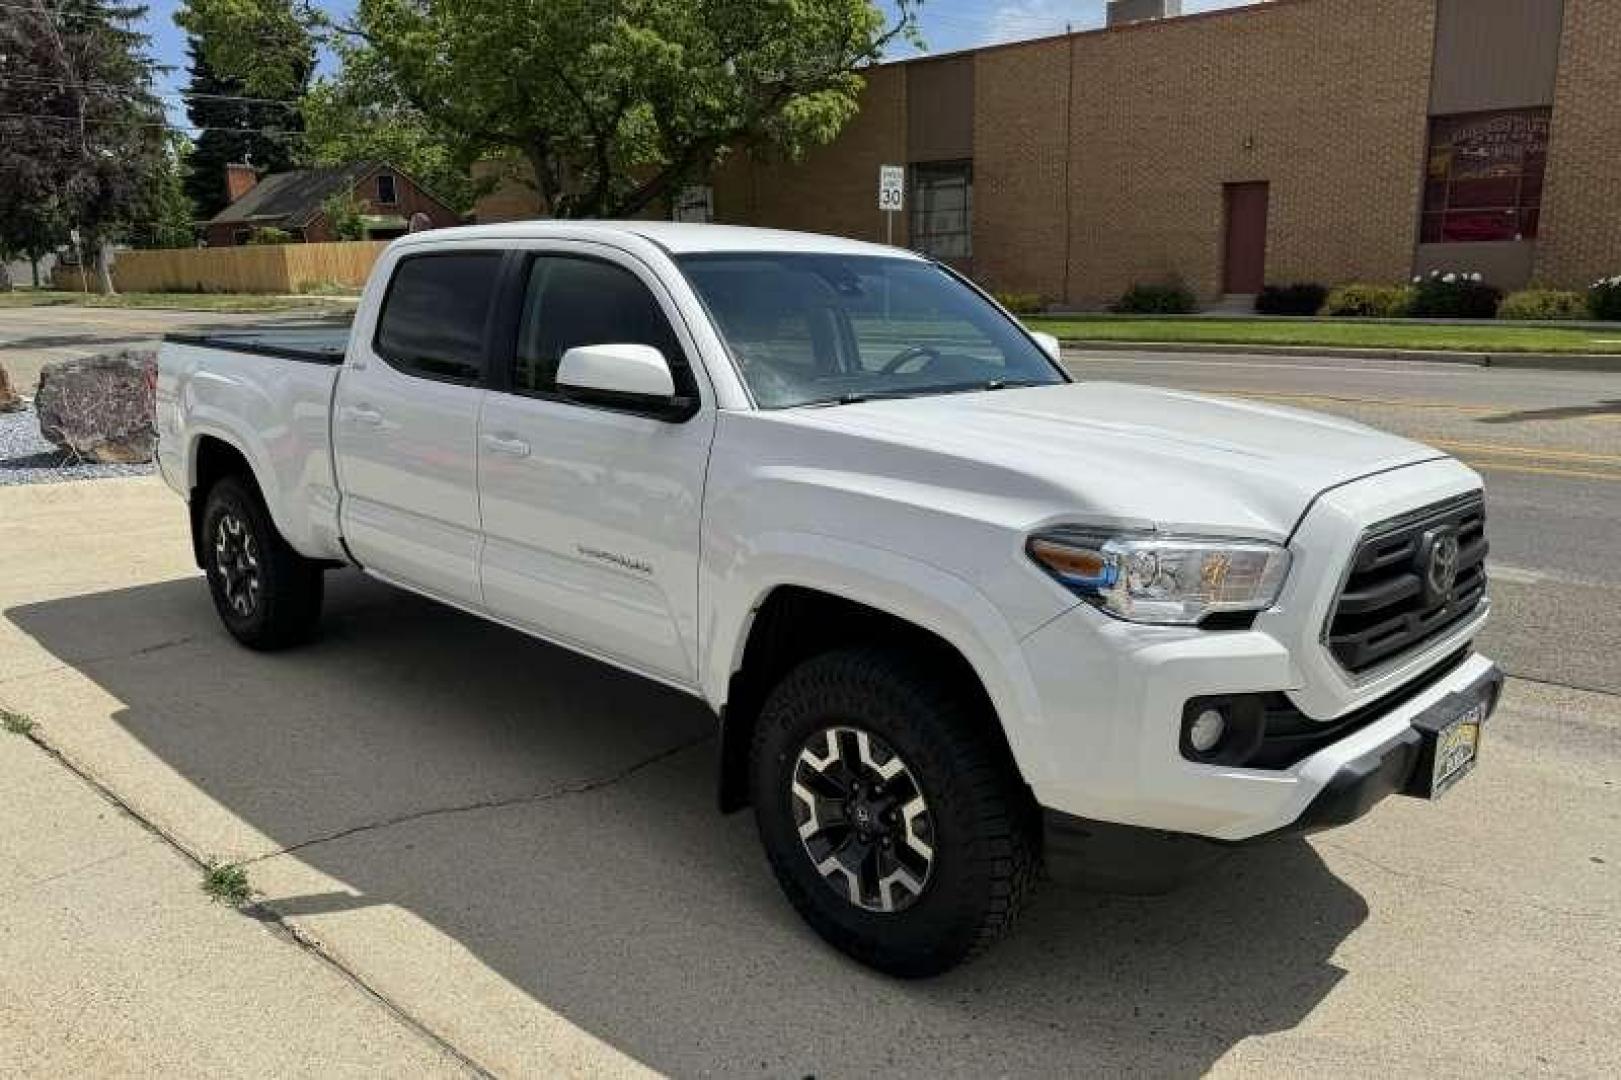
1297	140
295	202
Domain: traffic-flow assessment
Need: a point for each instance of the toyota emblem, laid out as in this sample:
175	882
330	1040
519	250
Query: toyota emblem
1442	572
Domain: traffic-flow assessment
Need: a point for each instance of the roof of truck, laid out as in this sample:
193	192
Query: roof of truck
679	238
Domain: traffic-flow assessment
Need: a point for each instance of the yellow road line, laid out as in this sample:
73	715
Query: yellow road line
1494	466
1401	403
1526	451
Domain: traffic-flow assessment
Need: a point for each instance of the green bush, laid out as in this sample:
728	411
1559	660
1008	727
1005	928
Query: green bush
1543	304
270	236
1604	299
1156	298
1301	298
1369	301
1020	303
1454	295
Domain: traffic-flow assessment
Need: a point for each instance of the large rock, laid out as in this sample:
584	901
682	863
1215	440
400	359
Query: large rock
101	408
9	401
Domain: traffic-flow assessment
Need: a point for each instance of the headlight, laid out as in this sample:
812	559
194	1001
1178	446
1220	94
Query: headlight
1163	579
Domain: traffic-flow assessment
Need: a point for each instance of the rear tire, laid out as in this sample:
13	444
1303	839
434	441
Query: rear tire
891	814
267	595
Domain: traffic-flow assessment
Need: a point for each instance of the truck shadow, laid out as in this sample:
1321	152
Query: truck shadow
556	819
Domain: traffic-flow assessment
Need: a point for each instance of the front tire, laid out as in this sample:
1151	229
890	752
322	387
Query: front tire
267	595
891	814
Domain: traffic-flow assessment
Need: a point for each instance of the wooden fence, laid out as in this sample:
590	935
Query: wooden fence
259	268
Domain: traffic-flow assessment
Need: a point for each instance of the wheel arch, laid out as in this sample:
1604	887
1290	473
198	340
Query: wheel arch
791	623
212	458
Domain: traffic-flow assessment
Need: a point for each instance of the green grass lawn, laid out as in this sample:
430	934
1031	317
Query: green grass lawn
1342	333
179	301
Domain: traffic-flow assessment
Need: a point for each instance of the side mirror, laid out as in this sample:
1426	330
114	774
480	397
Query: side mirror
636	378
1049	344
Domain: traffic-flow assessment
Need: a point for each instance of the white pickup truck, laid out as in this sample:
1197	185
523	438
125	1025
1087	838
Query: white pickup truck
958	614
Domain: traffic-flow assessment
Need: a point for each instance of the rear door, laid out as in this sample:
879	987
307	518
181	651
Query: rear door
591	514
405	424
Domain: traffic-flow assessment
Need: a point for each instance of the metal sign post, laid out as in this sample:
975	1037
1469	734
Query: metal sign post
891	196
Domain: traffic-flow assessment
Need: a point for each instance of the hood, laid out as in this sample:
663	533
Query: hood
1117	454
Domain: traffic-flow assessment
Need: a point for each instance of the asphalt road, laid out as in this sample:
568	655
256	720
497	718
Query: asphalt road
1548	444
31	337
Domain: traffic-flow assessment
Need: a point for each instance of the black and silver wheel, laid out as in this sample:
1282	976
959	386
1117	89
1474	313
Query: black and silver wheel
267	595
890	811
863	819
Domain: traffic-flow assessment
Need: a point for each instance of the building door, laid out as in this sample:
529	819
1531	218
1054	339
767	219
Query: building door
1245	267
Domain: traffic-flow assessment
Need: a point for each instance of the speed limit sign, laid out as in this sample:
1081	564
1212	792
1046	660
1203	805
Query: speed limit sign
891	187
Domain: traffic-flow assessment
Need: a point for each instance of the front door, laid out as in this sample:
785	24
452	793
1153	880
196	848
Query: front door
405	425
1245	270
591	515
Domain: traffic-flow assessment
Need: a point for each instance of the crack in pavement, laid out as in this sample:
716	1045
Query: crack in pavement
577	787
95	661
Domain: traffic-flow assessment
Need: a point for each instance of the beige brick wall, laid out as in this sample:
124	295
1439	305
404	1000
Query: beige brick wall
1021	161
1581	207
1324	99
835	188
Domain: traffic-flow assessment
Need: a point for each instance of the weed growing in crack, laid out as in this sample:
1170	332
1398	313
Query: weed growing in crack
16	722
227	883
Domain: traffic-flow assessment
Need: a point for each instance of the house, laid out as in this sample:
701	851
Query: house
293	201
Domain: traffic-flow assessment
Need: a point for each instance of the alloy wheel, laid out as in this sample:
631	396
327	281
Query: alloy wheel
863	819
236	558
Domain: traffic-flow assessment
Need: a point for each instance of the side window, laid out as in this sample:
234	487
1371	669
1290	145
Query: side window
386	195
433	317
573	301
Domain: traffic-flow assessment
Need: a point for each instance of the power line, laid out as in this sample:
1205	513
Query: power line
151	124
108	88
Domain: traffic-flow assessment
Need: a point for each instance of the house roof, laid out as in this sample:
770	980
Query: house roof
293	198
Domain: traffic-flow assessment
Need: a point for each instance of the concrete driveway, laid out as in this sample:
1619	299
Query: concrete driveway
517	850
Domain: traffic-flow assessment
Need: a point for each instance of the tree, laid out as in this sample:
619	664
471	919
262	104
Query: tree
164	213
346	216
614	104
81	133
233	127
359	116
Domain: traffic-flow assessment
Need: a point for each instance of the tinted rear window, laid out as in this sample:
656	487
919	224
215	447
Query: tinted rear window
433	318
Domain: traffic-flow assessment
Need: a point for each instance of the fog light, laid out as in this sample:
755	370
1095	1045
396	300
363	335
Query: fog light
1207	729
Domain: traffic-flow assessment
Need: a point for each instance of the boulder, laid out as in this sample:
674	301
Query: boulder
9	400
101	408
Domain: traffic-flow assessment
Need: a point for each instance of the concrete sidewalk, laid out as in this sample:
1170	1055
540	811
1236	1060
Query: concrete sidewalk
114	963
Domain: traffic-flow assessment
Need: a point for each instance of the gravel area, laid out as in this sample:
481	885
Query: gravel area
26	458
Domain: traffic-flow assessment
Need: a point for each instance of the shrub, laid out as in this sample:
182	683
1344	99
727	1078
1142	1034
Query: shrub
1156	298
1369	301
1020	303
1604	299
346	216
270	236
1543	304
1301	298
1454	295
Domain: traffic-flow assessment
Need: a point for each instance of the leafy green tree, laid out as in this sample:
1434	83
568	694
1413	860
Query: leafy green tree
358	115
615	105
165	214
346	216
81	133
234	126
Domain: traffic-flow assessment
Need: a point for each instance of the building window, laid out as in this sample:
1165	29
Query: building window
386	195
943	210
1485	176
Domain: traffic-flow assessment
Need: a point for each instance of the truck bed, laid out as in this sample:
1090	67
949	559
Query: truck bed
314	343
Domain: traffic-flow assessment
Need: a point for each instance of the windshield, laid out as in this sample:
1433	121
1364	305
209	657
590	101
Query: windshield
824	329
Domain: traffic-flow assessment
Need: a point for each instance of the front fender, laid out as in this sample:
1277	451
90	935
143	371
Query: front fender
903	587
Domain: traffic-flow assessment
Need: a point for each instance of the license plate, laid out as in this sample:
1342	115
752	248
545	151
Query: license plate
1456	747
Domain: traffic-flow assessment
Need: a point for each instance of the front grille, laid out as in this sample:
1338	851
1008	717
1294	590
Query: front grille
1391	602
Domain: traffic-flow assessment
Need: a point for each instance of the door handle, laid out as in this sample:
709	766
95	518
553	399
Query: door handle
359	414
497	444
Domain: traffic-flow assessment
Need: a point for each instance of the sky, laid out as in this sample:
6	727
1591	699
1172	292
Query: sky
947	25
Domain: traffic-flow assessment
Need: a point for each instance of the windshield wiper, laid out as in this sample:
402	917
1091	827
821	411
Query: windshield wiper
856	397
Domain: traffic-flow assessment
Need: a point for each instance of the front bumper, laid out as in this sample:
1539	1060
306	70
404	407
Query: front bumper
1132	859
1102	741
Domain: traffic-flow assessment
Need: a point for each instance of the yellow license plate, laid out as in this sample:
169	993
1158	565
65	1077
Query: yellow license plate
1456	748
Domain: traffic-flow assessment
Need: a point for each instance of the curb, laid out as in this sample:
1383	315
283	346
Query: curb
1599	362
